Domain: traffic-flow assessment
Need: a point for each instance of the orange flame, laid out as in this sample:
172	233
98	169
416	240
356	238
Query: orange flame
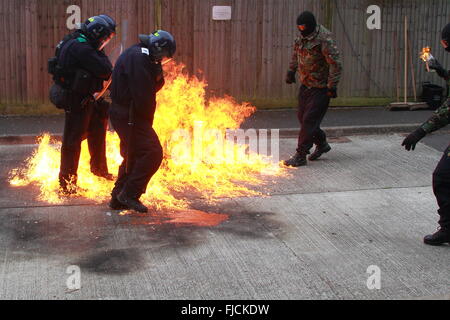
202	169
425	54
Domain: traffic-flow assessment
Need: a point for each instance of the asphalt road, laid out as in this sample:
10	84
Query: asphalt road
261	119
339	117
366	204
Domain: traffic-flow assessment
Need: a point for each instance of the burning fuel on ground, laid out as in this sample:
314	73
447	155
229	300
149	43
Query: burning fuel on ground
196	164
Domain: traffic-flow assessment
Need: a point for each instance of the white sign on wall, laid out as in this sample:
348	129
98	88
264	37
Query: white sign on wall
221	13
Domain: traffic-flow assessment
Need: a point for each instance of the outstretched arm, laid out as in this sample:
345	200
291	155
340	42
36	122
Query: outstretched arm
439	119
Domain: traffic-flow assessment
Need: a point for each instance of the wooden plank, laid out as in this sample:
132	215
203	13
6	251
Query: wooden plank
14	47
3	39
247	56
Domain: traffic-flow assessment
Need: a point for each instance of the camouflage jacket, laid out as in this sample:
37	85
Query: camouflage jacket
317	59
440	118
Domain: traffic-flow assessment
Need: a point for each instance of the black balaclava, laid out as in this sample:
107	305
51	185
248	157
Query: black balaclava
446	36
307	18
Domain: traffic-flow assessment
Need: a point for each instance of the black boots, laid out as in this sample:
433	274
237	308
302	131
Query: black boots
320	150
114	204
132	203
298	160
439	238
103	174
68	190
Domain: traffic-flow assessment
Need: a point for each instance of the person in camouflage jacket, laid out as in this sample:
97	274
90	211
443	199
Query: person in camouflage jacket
441	176
317	60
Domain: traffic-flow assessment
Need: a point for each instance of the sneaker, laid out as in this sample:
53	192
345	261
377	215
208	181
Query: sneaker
441	237
320	150
131	203
298	160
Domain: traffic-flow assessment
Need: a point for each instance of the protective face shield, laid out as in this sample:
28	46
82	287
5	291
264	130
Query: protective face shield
446	38
160	43
306	23
98	32
104	42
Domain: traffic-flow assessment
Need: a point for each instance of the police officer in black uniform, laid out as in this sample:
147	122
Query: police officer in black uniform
80	67
137	77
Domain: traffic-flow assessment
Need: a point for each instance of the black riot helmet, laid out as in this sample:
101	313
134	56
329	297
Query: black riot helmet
98	31
446	37
306	23
112	24
160	43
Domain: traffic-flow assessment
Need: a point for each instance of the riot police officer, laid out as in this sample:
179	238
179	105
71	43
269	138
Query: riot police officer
137	77
441	176
79	69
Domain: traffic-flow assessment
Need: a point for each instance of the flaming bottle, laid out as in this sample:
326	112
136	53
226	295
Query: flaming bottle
427	57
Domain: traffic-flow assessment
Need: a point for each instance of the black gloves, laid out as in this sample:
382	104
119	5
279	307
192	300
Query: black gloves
290	77
435	65
159	69
102	107
332	93
160	77
410	142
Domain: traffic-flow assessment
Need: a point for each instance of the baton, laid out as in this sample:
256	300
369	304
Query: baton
130	136
106	86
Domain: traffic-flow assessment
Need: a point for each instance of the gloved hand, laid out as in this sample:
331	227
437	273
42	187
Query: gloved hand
159	68
410	142
102	107
160	77
87	101
332	93
290	77
160	84
435	65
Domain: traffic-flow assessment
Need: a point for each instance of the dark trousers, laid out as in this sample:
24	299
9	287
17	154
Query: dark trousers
312	106
441	188
144	151
83	123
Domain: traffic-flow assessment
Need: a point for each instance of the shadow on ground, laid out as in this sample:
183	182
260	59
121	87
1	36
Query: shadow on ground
93	238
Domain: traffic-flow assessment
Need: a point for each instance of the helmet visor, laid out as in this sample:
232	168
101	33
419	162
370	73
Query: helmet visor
105	41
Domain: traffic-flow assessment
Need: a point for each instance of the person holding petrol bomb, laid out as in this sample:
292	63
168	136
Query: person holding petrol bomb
441	175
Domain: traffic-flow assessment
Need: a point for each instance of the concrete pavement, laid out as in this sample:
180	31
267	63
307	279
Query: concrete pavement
313	237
